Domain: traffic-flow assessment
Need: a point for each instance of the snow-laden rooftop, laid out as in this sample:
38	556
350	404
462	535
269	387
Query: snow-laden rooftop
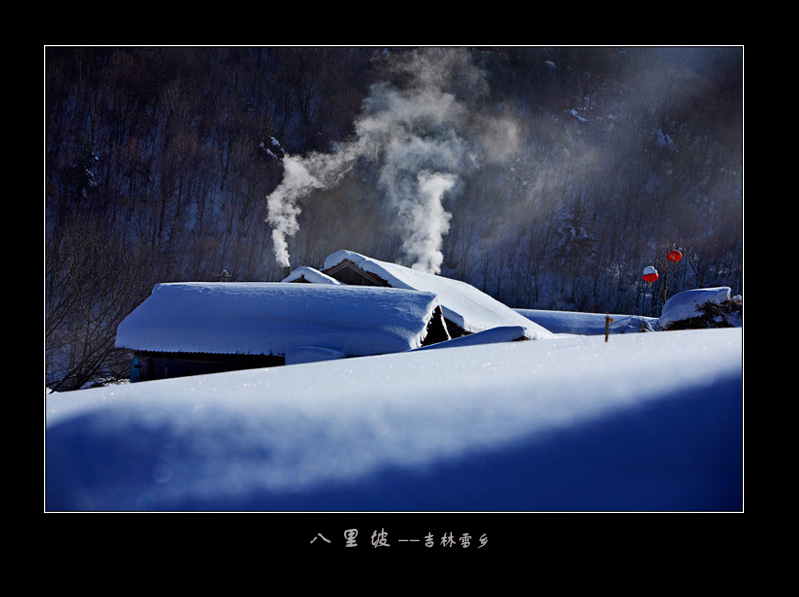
461	303
276	318
311	275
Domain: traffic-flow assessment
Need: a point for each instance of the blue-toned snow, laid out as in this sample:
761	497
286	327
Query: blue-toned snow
291	320
642	422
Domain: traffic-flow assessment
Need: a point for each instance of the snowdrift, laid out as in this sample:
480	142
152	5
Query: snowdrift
492	336
587	324
702	308
643	422
691	309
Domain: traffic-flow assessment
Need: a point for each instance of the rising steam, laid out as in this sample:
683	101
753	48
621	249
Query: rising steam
301	177
427	222
422	134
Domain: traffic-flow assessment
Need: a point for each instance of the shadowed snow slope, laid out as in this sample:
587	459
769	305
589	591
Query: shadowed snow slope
642	422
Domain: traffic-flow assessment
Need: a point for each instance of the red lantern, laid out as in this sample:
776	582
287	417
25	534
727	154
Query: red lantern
675	255
650	274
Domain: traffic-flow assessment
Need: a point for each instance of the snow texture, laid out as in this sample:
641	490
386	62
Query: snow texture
277	319
461	303
492	336
643	422
686	305
588	324
312	354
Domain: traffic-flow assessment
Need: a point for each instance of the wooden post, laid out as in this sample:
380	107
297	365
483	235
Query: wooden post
608	321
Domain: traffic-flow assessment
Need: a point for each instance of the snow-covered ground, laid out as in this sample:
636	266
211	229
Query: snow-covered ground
642	422
589	324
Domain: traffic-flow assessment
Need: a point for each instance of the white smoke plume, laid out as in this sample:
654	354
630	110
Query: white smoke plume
301	177
423	137
427	222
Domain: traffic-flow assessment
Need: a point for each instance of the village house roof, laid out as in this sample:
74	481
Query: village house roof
462	304
310	276
282	319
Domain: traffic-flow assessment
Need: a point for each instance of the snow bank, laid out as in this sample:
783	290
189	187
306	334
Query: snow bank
461	303
276	318
687	305
590	324
642	422
492	336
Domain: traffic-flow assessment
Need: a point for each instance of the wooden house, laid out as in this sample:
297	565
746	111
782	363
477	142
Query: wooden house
466	309
193	328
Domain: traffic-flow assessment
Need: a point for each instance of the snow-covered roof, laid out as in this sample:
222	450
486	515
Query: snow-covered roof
277	319
461	303
311	275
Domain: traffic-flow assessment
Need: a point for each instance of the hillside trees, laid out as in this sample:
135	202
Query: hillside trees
156	171
158	161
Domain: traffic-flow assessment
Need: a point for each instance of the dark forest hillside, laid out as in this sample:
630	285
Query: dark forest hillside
556	173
